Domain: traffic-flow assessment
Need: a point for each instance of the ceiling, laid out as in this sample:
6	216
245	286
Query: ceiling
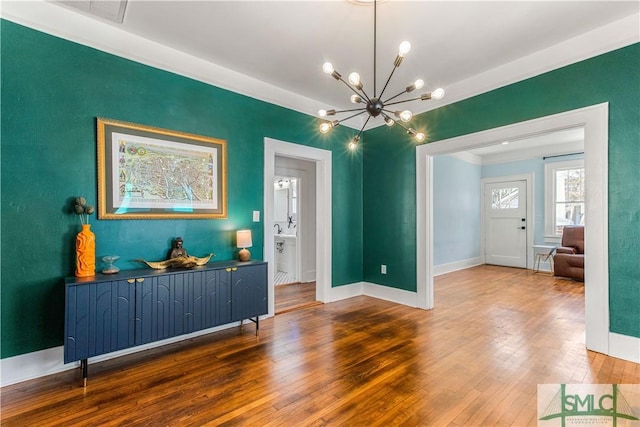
285	43
281	45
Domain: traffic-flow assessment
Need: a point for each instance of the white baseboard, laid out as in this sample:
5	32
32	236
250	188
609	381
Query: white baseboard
624	347
308	276
38	364
373	290
455	266
345	291
386	293
473	262
32	365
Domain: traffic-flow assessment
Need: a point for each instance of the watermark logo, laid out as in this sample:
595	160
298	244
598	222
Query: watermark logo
588	405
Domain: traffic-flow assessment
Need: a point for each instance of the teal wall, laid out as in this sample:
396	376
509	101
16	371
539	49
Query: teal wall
52	92
390	164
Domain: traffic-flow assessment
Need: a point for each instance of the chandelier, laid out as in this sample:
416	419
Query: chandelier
376	105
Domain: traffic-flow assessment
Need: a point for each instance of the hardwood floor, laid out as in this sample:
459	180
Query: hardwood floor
474	360
294	296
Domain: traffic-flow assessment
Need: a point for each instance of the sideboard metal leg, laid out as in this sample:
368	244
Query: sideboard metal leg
257	322
84	366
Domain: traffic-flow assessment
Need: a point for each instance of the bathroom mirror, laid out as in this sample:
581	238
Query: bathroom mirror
281	204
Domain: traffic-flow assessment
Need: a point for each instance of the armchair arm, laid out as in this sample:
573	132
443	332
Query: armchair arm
566	250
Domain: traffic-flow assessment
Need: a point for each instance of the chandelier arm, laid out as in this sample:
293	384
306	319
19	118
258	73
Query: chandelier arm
400	102
364	110
365	95
393	97
363	126
388	80
352	88
401	125
347	111
397	122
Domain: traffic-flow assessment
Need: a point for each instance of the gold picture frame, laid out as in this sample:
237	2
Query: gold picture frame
146	172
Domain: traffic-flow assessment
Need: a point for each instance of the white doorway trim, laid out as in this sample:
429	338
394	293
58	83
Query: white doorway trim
528	179
322	158
595	120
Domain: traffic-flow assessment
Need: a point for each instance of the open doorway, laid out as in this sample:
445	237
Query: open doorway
595	122
312	169
294	224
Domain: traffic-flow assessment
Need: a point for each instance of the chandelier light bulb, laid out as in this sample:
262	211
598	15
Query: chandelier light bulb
404	48
322	113
419	84
438	93
325	127
356	99
354	78
405	115
327	68
389	121
353	144
420	136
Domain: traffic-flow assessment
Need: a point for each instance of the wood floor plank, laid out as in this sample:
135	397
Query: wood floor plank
294	296
475	359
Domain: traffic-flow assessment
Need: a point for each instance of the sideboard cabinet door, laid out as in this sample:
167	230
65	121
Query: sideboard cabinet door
76	325
153	303
123	306
188	307
217	297
249	291
98	319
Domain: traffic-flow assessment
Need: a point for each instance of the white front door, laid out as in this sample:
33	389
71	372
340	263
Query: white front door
505	213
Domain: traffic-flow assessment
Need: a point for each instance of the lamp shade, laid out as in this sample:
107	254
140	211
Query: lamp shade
243	239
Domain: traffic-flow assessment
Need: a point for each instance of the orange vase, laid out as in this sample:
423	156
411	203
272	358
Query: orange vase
85	252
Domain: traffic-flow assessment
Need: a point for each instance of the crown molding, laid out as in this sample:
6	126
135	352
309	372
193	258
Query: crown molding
64	23
615	35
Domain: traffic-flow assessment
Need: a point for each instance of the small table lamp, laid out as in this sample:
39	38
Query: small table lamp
243	239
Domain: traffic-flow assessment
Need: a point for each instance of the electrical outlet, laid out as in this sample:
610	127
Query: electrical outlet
383	268
256	216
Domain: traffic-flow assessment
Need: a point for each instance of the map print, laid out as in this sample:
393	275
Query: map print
163	174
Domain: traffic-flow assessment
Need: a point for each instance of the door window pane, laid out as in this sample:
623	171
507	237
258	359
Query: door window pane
504	198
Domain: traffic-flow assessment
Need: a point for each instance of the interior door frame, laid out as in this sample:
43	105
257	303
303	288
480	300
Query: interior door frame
595	120
322	159
528	179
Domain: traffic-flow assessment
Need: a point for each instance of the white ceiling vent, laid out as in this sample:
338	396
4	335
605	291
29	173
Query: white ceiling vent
112	10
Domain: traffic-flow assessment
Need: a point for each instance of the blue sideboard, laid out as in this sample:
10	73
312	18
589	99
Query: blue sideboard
106	313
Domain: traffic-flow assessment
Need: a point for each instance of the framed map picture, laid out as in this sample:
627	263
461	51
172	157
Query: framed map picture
152	173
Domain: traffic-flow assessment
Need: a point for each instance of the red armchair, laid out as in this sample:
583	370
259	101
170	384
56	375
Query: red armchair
569	258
